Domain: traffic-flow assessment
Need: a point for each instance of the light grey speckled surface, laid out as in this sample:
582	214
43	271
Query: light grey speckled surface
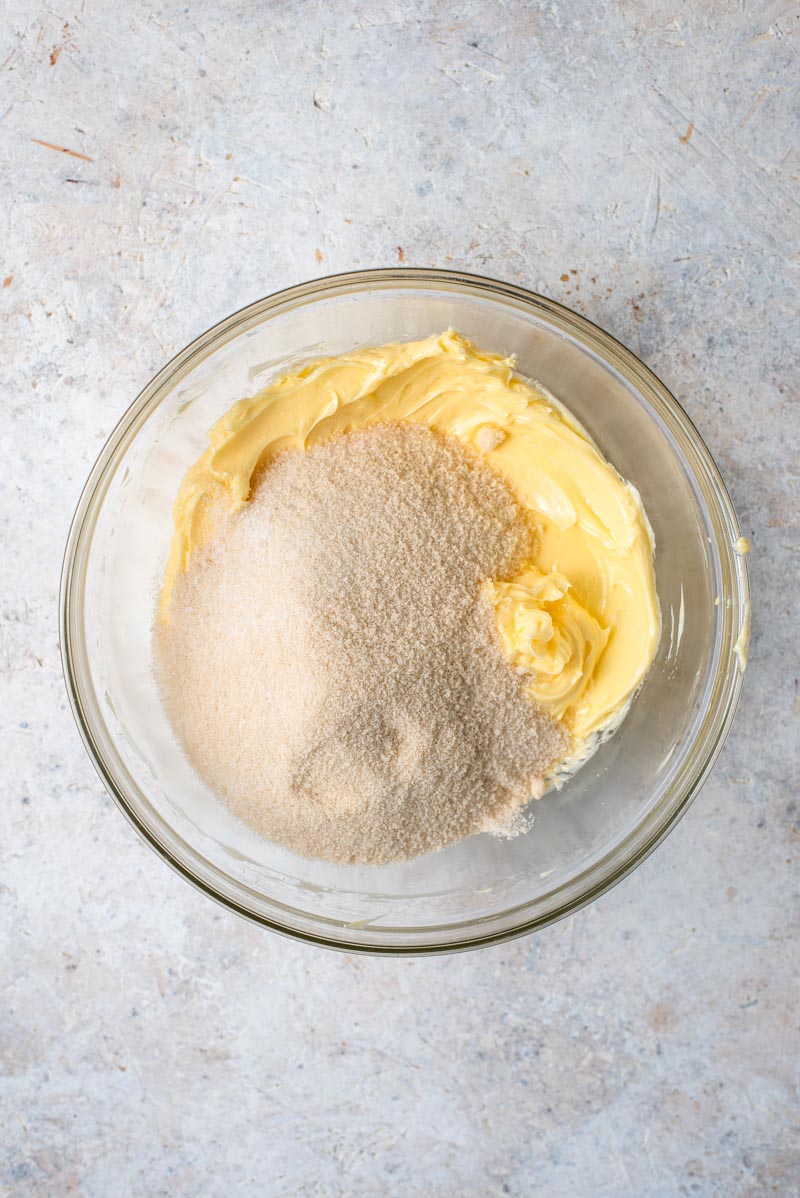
638	161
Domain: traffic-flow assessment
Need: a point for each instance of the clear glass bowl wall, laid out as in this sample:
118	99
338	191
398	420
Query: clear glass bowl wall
585	836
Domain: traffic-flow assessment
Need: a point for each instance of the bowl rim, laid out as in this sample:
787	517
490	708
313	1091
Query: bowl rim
699	461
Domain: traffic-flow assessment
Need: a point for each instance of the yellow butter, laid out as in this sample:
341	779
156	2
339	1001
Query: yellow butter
582	621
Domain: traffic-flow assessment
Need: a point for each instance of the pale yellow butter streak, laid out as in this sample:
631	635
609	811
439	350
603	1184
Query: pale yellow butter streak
582	621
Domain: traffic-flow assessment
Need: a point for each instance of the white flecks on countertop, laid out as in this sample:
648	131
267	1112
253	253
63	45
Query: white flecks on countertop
164	164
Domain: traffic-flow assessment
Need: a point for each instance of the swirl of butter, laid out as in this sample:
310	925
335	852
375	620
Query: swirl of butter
550	636
582	620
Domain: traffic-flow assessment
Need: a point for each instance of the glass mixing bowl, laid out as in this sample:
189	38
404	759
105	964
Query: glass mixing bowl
586	836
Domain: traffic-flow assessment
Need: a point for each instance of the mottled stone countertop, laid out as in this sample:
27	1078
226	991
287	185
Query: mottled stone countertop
162	164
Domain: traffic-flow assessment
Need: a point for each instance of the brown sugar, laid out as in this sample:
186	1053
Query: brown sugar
330	662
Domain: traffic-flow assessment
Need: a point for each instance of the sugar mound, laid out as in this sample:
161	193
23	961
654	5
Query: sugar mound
330	662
